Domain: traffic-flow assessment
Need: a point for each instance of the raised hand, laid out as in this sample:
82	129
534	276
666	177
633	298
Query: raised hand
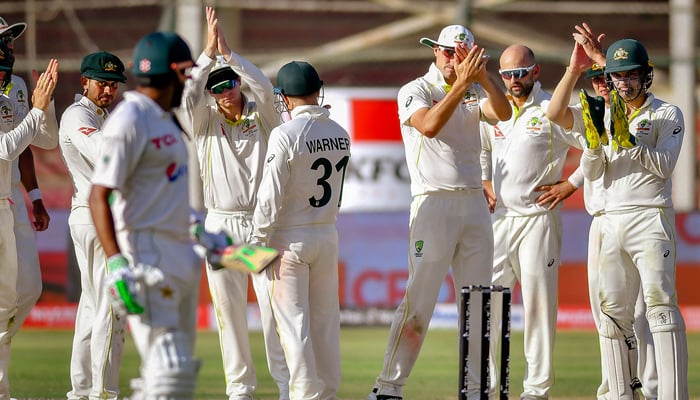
593	119
470	64
591	44
45	85
212	33
619	125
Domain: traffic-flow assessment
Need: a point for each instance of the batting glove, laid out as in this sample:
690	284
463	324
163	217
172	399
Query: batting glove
593	119
619	125
208	245
121	285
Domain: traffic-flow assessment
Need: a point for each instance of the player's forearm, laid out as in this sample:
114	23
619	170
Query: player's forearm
103	219
558	110
497	106
27	171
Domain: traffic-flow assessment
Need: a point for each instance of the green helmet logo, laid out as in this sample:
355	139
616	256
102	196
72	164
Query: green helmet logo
626	55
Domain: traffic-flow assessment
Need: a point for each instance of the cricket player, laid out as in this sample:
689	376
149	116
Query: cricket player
98	341
524	159
38	127
298	202
439	115
571	118
139	202
231	134
635	161
29	284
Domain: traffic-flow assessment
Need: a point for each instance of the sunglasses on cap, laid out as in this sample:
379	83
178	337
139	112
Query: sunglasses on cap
516	73
223	86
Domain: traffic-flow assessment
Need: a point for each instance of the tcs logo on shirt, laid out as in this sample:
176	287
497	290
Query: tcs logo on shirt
166	140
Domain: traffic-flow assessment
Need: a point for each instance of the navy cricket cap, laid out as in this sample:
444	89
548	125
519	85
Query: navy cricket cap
156	52
298	78
103	66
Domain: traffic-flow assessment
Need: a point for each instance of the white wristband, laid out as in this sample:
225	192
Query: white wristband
34	195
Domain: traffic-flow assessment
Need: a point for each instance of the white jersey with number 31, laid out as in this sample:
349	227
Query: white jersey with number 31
304	170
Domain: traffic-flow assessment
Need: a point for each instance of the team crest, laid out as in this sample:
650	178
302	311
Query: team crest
621	54
110	67
419	248
145	65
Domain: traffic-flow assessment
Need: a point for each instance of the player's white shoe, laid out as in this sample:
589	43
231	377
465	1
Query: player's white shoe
374	396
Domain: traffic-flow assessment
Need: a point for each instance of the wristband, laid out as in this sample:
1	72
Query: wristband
34	195
116	262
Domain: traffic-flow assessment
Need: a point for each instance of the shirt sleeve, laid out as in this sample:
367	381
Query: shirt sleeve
486	147
13	143
193	113
276	174
411	98
661	159
78	125
47	136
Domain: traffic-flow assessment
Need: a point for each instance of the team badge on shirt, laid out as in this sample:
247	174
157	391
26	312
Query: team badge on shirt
419	248
6	114
534	126
643	127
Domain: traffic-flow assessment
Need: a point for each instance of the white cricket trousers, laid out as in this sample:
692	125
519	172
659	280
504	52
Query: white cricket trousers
98	339
639	247
8	292
527	250
229	294
303	286
170	305
646	364
446	229
29	285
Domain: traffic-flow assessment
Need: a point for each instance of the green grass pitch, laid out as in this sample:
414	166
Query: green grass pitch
40	360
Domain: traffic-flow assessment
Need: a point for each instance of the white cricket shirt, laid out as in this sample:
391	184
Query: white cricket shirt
450	160
80	137
305	166
230	154
143	157
526	151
